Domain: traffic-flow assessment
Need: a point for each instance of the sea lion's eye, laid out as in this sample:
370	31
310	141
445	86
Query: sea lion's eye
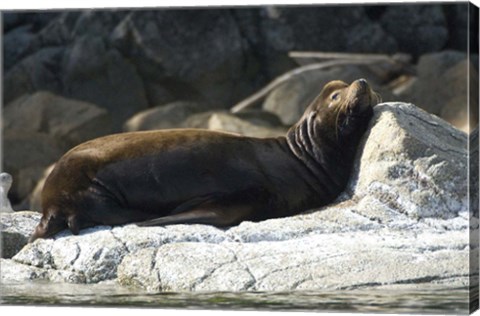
335	96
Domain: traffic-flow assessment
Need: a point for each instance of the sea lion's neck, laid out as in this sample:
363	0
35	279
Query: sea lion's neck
308	141
321	156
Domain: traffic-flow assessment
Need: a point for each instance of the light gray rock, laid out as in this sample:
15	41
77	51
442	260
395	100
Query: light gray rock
383	223
71	121
186	114
412	162
163	117
5	185
14	272
319	261
230	123
16	228
442	87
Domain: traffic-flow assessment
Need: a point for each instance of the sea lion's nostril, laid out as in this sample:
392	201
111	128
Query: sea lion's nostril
363	82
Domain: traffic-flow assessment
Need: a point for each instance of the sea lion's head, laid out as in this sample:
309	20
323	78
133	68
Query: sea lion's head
340	112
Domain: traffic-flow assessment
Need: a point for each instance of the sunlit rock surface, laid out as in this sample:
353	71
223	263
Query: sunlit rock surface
403	220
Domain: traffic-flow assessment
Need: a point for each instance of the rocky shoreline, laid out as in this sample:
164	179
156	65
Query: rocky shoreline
402	221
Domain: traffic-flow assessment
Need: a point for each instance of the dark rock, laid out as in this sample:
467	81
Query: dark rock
98	74
59	32
335	28
39	71
209	58
365	36
97	22
18	44
37	20
418	29
457	20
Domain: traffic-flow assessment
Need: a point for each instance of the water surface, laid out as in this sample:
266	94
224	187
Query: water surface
435	300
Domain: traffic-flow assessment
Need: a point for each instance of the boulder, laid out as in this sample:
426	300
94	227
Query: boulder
207	60
419	168
442	87
342	23
67	120
16	229
166	116
26	156
417	29
70	56
230	123
97	73
251	122
405	205
18	43
192	115
39	71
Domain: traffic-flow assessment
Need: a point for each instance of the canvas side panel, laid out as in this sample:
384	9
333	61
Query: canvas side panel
473	81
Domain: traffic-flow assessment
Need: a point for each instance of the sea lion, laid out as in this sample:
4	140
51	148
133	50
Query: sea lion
199	176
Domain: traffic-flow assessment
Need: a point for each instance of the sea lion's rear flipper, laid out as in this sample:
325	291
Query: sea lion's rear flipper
210	215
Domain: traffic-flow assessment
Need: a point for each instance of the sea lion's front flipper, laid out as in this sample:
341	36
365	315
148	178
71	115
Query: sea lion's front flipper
210	215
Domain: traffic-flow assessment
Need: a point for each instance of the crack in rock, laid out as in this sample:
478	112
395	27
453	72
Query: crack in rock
425	279
248	285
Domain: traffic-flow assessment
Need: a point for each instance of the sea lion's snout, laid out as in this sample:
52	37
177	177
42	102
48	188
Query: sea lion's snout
362	83
361	96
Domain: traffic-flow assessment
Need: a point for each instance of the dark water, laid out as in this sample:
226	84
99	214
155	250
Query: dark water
431	301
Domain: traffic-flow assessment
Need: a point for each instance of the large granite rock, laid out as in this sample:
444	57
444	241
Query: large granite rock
405	206
16	228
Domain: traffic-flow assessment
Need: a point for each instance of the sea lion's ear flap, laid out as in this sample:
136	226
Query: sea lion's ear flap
73	224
